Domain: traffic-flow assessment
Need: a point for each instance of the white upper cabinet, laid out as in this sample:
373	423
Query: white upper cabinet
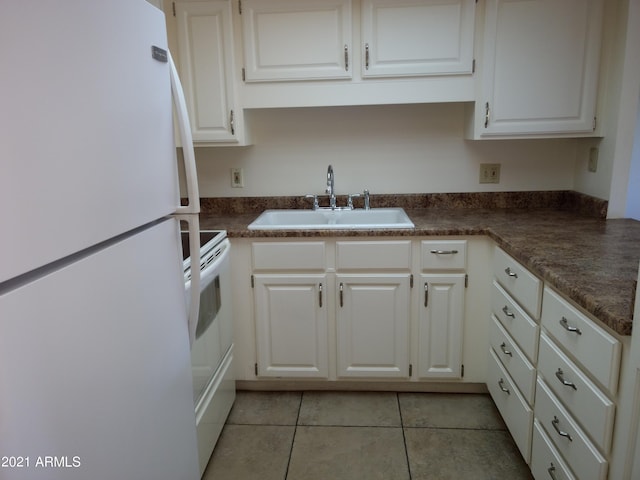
205	44
294	40
539	73
417	37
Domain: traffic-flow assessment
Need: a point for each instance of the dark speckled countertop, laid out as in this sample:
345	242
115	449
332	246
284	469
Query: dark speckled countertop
591	260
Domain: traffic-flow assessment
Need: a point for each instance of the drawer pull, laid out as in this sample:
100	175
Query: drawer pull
510	273
565	324
566	383
504	350
320	295
508	312
502	387
555	423
552	471
444	252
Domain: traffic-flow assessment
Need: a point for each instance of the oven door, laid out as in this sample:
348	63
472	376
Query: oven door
213	330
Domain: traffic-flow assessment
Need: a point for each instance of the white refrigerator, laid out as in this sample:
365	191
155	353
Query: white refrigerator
95	374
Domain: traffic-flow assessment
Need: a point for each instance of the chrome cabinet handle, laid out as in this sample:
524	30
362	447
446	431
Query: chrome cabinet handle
502	387
510	273
341	290
555	422
504	350
346	58
444	252
486	114
232	123
552	471
426	294
566	383
366	56
320	295
565	324
507	312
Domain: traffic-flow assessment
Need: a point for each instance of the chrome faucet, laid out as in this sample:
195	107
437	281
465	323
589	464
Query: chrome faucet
330	188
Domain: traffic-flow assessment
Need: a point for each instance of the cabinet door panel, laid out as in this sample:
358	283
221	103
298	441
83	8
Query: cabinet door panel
373	325
541	66
417	37
205	44
440	328
291	326
293	40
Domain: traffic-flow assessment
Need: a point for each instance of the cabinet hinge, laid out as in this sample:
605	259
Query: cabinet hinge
466	280
253	284
255	365
243	74
410	286
461	370
410	370
473	66
173	8
595	123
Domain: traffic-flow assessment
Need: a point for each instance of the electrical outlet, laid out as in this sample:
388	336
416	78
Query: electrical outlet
593	159
237	178
489	173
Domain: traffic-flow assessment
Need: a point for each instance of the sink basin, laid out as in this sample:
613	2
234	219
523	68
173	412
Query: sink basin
332	219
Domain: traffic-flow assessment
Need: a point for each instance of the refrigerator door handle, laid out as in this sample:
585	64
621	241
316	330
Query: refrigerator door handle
194	246
184	128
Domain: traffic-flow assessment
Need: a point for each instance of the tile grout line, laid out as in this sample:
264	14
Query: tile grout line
295	431
404	439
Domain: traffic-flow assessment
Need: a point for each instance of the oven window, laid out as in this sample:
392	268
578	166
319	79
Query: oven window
210	303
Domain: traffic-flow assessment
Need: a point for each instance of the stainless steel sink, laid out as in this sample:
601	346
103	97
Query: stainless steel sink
323	219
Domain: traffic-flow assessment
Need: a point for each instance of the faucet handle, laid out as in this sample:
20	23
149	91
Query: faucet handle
367	204
316	205
350	200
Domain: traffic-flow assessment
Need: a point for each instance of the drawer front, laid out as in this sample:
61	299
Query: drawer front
513	360
373	255
591	345
289	256
516	321
546	462
586	402
523	286
443	255
512	406
582	456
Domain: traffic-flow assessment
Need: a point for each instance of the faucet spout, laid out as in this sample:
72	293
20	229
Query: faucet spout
330	188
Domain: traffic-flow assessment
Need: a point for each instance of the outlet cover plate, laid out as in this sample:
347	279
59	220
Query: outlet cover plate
489	173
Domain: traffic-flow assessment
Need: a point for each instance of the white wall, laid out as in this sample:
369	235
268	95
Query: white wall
387	149
633	196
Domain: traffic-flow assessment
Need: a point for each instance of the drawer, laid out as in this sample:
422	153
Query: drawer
597	351
443	254
513	360
581	455
512	406
515	321
523	285
373	255
586	402
546	462
289	256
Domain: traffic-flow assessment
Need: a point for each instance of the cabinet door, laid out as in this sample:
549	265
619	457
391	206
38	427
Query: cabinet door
291	325
373	325
440	326
540	67
417	37
294	40
205	39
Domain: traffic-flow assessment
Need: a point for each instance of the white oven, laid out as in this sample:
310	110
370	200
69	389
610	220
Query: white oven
212	349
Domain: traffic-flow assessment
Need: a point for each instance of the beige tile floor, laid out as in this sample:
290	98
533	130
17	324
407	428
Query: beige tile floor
364	435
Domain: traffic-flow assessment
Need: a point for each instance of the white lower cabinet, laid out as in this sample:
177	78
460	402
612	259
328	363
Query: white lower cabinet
372	325
291	325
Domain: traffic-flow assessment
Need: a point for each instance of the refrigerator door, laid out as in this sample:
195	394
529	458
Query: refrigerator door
95	367
87	146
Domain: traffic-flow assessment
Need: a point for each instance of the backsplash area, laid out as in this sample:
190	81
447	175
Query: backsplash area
558	200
